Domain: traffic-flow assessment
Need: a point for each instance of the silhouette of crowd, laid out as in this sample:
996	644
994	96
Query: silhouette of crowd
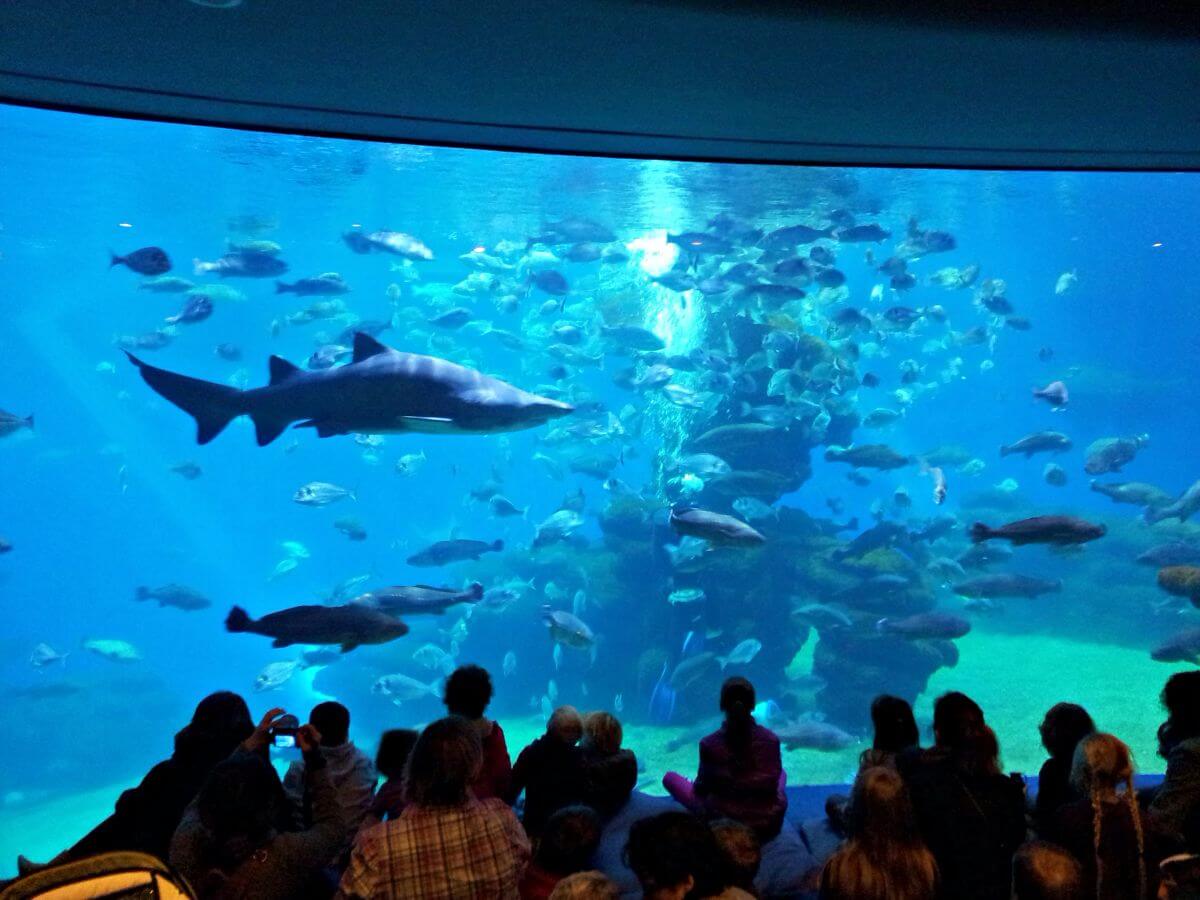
444	813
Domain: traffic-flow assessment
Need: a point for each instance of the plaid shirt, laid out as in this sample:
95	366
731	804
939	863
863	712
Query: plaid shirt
472	852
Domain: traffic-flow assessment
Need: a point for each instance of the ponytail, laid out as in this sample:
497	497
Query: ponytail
1135	815
737	702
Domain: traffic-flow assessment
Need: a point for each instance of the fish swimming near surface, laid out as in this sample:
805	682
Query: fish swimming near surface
418	599
380	391
349	626
1060	530
442	553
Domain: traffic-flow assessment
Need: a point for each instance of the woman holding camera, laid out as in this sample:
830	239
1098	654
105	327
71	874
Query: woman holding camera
228	845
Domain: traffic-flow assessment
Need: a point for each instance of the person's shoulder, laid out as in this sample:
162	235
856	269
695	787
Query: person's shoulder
492	807
765	735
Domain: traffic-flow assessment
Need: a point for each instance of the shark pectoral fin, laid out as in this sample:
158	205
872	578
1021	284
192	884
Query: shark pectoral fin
324	428
267	428
347	647
366	346
281	642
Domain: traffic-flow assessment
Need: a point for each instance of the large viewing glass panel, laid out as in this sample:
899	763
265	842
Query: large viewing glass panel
918	311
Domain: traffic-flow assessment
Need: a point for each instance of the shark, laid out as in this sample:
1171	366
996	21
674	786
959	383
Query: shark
380	391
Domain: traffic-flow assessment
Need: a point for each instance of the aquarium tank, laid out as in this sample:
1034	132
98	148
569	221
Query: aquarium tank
635	425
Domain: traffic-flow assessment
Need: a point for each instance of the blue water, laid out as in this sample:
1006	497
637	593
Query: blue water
92	510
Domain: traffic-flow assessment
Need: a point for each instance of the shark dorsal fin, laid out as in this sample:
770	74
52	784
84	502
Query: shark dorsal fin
281	369
366	346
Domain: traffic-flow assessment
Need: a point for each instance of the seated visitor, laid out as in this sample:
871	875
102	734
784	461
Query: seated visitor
741	770
233	848
895	732
971	817
567	844
468	693
548	770
1064	726
675	855
146	816
446	842
394	747
1179	877
585	886
347	768
1045	871
884	857
1121	860
608	774
1176	804
741	853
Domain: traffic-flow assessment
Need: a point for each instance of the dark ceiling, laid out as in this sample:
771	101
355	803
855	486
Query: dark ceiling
1035	85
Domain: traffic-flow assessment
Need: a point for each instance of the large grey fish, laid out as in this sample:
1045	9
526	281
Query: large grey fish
1182	647
715	528
1176	553
415	599
1182	509
380	391
1041	530
925	625
348	626
1111	454
178	595
1038	442
10	423
241	264
1006	584
868	456
326	284
443	552
395	242
812	735
1137	493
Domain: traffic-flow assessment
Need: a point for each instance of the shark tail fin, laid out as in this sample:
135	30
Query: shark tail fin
212	405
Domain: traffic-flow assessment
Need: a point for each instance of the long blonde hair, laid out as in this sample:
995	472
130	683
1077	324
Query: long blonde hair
885	858
1102	763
